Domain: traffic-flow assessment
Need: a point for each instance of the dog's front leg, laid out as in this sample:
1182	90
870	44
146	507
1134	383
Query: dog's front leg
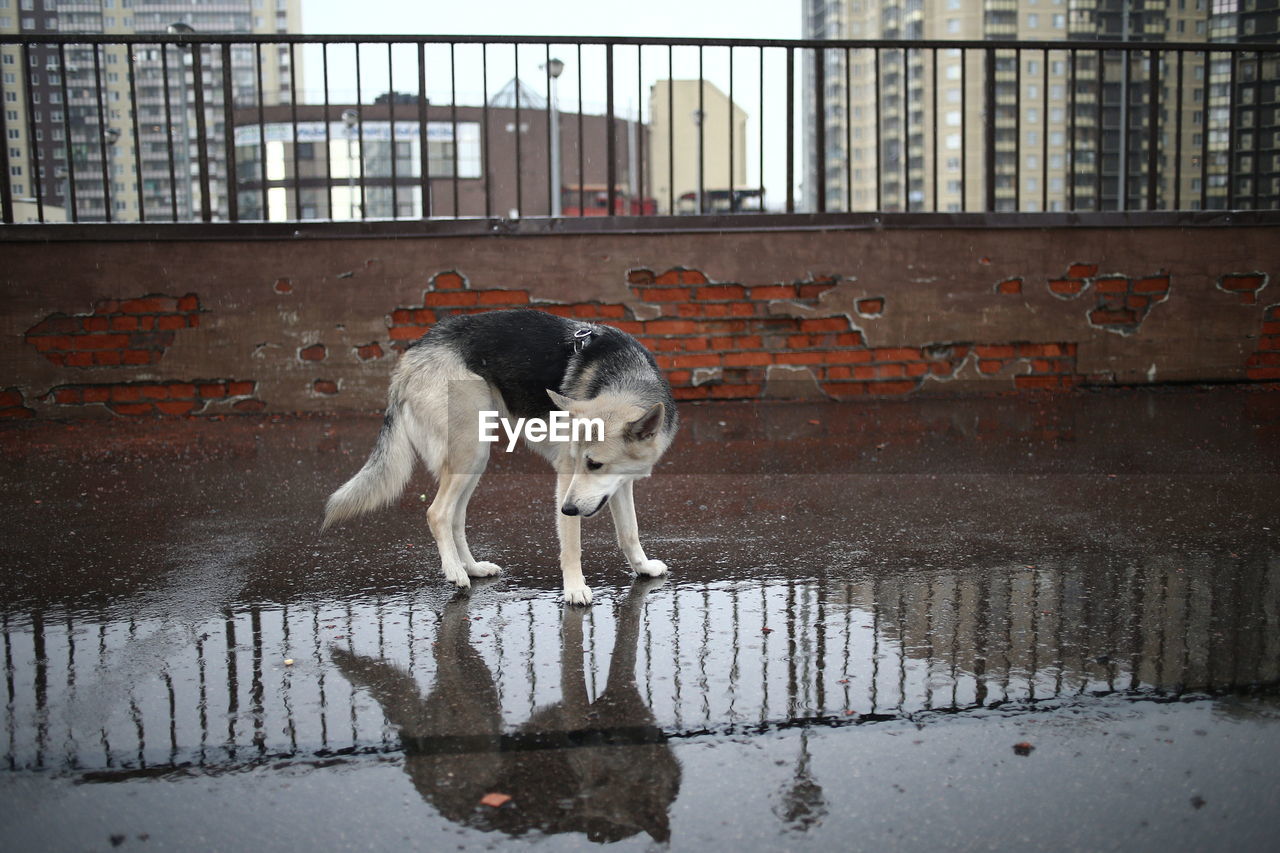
569	527
623	508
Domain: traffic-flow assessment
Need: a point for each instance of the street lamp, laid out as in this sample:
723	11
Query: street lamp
351	118
554	69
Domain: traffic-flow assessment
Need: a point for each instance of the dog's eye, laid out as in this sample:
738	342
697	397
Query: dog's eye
593	465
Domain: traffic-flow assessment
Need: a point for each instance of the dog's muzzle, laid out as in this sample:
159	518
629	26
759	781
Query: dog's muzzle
572	509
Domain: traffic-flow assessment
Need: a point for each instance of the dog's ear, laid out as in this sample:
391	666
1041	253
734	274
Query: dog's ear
561	401
648	424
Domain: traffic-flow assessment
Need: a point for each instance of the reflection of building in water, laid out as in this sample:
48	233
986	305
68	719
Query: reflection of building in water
138	692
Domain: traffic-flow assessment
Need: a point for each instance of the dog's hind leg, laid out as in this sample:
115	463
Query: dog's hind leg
622	506
441	517
475	568
569	527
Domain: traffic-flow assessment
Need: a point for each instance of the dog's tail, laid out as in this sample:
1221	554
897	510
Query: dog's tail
383	476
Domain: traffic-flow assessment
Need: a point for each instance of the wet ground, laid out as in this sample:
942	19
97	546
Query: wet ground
982	623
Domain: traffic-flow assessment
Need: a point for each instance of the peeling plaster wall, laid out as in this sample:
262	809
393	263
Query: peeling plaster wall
128	328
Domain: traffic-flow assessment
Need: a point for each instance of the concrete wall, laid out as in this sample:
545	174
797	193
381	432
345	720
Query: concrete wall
209	327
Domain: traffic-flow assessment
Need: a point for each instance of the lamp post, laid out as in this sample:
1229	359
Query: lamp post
698	116
351	118
554	69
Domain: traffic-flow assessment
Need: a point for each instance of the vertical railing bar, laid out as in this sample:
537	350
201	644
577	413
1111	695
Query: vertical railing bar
33	147
1017	129
1100	88
391	124
328	135
760	151
262	133
876	83
1177	139
611	141
906	130
964	129
1233	58
1044	132
791	130
519	162
202	148
848	132
989	156
168	134
702	160
1070	162
671	149
6	186
819	153
364	189
484	114
551	158
1153	119
102	127
732	202
937	124
229	135
1257	127
582	190
1204	132
639	191
137	139
66	133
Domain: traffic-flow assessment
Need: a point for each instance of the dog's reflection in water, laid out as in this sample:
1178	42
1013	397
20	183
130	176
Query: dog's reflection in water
602	768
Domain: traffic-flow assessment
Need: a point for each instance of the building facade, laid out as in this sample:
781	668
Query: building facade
1071	129
73	139
698	159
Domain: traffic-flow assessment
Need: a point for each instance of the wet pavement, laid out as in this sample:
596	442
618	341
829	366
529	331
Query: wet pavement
972	623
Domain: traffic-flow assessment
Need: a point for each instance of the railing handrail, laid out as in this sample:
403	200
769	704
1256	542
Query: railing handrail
641	41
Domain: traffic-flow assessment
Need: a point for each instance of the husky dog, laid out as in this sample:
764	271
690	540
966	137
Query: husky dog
524	364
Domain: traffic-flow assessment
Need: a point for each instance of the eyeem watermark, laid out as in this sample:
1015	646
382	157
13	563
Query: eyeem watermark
558	427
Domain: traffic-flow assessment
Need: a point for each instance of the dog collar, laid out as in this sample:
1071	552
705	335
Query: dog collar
581	337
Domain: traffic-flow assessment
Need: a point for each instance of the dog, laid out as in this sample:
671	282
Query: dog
528	364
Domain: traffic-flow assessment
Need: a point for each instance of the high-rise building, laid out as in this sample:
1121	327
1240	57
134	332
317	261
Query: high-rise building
73	140
1070	129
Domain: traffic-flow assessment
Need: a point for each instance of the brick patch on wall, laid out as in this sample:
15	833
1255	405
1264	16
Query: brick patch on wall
160	398
117	333
1244	285
1120	303
719	340
1264	364
13	406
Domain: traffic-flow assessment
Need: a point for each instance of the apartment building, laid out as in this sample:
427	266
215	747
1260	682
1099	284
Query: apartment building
698	156
75	146
907	129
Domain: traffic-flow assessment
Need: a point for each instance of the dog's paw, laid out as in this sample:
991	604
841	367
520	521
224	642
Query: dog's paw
577	594
652	568
483	569
457	577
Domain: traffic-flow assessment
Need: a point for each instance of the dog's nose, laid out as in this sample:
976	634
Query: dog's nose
569	509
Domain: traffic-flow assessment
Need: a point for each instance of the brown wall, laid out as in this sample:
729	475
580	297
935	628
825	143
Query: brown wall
207	327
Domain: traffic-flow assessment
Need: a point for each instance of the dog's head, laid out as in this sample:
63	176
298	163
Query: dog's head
633	440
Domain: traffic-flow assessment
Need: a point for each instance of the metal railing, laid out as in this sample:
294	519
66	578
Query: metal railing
246	128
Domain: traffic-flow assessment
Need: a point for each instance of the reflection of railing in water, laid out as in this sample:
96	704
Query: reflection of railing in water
108	693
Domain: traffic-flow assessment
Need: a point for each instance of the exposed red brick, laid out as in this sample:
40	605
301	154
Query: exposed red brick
315	352
190	302
239	389
696	360
504	297
640	276
176	407
1103	316
1151	285
149	305
154	392
132	408
729	392
872	307
401	315
1066	286
799	357
325	386
701	392
182	390
1263	359
96	393
1082	270
812	290
369	351
249	406
1263	373
283	285
670	327
774	291
447	281
108	358
719	292
894	388
825	324
1111	285
96	324
171	321
1252	281
213	390
1011	287
450	299
667	294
